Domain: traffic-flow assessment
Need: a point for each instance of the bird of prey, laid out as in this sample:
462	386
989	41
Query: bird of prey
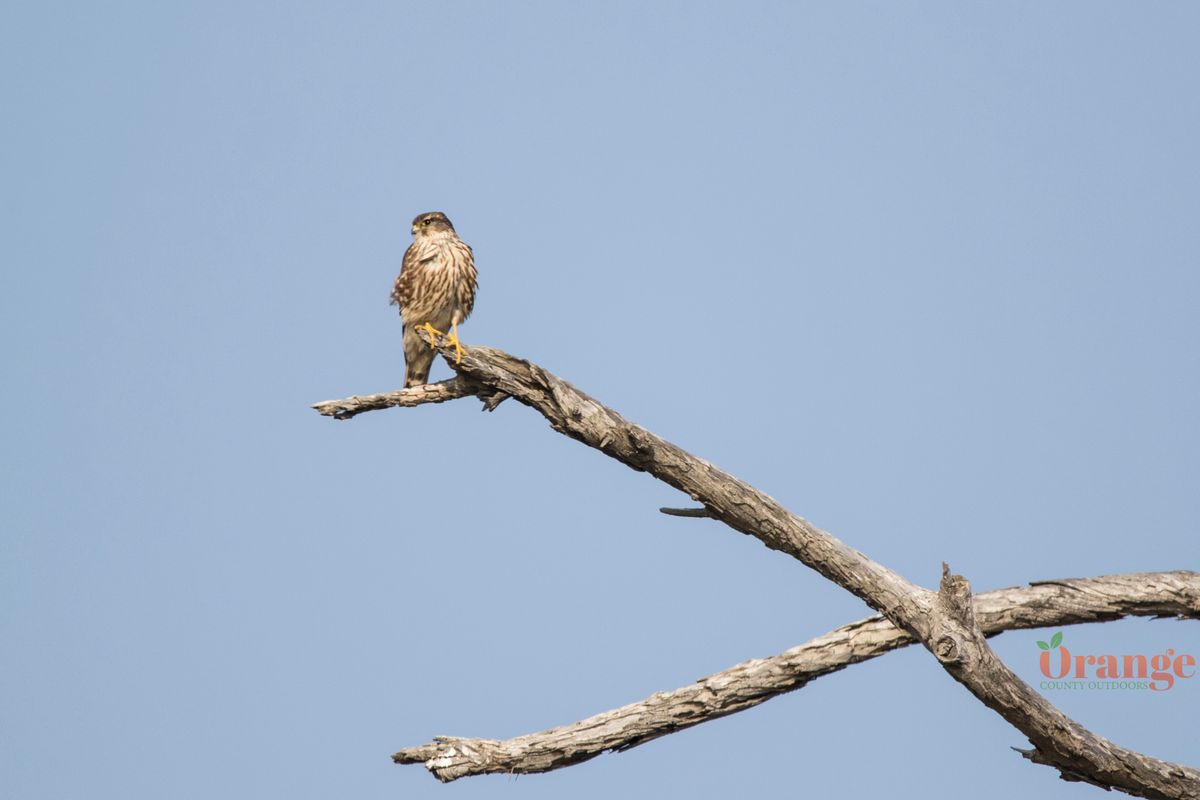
435	291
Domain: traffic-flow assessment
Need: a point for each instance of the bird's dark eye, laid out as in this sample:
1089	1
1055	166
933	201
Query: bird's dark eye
426	222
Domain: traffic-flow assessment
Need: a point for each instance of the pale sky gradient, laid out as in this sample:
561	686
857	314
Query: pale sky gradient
929	274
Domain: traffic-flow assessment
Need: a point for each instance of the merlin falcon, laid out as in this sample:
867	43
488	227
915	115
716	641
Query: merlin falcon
435	291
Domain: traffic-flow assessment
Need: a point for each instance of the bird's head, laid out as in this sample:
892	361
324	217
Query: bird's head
431	222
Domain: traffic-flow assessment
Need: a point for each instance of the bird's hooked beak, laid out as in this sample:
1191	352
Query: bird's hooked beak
414	230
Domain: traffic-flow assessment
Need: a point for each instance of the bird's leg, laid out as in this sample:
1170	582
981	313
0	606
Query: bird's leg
433	334
458	348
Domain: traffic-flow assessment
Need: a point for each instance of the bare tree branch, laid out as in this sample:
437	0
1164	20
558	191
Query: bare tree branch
1068	602
440	392
944	622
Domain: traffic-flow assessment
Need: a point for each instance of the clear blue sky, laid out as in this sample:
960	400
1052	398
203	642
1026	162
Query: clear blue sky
928	274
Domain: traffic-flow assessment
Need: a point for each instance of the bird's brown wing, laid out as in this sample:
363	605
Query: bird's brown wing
403	287
470	282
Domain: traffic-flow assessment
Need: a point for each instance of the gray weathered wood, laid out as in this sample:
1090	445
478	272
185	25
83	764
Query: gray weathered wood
1058	603
945	622
439	392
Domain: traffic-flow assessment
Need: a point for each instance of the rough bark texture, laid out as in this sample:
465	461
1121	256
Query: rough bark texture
945	622
440	392
959	644
1067	602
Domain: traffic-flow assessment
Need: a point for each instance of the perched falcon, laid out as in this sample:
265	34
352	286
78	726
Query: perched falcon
435	291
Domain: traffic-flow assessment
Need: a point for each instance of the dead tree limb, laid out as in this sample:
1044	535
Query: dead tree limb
440	392
1068	602
944	622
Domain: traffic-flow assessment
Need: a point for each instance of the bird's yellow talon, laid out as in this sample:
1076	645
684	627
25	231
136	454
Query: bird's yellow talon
458	348
433	334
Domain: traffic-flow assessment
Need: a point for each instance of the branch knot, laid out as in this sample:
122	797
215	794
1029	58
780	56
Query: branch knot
948	650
